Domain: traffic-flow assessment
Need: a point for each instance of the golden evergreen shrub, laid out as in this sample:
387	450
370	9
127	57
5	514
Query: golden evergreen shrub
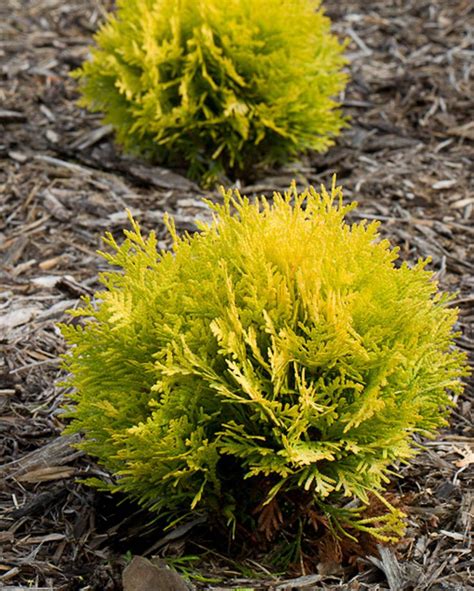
217	85
277	351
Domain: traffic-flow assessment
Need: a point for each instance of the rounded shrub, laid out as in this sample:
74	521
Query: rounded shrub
218	86
277	358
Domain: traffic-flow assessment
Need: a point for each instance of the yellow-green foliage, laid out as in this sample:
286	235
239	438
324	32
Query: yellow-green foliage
279	349
217	85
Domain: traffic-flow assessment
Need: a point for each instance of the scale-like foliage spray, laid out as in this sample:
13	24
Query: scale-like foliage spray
218	86
279	351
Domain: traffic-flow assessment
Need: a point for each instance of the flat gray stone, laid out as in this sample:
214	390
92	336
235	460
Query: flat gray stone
143	575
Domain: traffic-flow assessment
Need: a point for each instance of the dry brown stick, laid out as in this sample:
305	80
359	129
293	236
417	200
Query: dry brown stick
58	452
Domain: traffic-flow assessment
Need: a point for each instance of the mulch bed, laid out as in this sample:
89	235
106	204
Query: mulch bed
407	158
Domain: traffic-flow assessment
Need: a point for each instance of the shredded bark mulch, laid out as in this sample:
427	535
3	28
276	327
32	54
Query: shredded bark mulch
407	158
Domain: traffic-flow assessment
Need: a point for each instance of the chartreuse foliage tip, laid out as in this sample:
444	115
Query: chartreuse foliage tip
278	353
218	86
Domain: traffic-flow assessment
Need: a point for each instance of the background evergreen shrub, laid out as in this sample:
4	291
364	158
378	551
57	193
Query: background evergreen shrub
217	85
278	351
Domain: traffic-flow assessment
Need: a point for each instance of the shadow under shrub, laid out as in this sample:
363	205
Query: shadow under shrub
218	86
277	354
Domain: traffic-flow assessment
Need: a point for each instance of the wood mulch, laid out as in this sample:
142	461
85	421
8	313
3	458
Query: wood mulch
407	158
